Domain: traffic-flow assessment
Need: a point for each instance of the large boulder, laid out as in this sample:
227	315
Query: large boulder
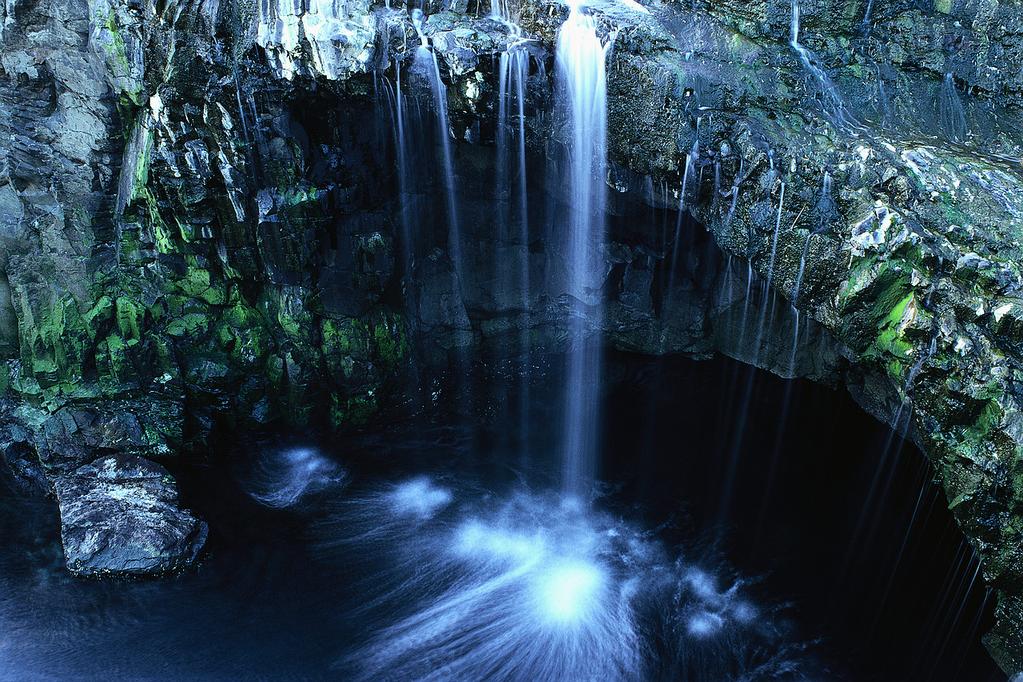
120	516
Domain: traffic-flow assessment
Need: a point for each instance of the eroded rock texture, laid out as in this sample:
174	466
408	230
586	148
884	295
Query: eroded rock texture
119	515
201	215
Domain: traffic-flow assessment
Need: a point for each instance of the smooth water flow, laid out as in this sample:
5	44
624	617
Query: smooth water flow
283	478
426	65
397	106
763	321
512	256
582	101
795	304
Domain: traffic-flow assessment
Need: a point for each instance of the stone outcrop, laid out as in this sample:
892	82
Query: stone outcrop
120	516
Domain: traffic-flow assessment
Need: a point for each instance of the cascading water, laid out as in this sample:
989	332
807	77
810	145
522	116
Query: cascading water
397	109
691	158
865	24
426	65
511	188
834	105
951	112
582	99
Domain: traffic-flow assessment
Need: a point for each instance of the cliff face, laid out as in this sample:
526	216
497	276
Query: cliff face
201	220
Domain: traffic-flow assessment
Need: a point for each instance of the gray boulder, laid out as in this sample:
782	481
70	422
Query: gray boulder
120	516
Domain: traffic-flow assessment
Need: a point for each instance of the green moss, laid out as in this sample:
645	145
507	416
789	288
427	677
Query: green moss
117	53
242	333
391	344
130	317
977	434
98	315
275	371
113	364
164	355
162	238
140	180
892	339
196	284
346	346
189	324
352	412
54	342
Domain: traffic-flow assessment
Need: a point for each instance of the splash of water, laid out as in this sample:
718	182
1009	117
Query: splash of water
525	586
582	98
282	478
419	498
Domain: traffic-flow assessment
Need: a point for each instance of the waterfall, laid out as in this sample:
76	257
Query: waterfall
399	119
744	325
691	158
795	304
582	97
770	276
867	15
951	112
826	209
512	263
735	193
834	105
425	64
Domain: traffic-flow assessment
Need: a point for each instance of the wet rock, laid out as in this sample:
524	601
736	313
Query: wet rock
120	516
18	457
339	37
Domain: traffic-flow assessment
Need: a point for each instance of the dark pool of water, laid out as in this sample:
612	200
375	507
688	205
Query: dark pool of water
870	585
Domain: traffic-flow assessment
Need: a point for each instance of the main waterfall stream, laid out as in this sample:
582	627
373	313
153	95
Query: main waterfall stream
582	92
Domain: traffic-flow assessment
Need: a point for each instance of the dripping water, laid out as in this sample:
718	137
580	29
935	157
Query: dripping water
795	304
691	158
834	105
951	112
762	322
